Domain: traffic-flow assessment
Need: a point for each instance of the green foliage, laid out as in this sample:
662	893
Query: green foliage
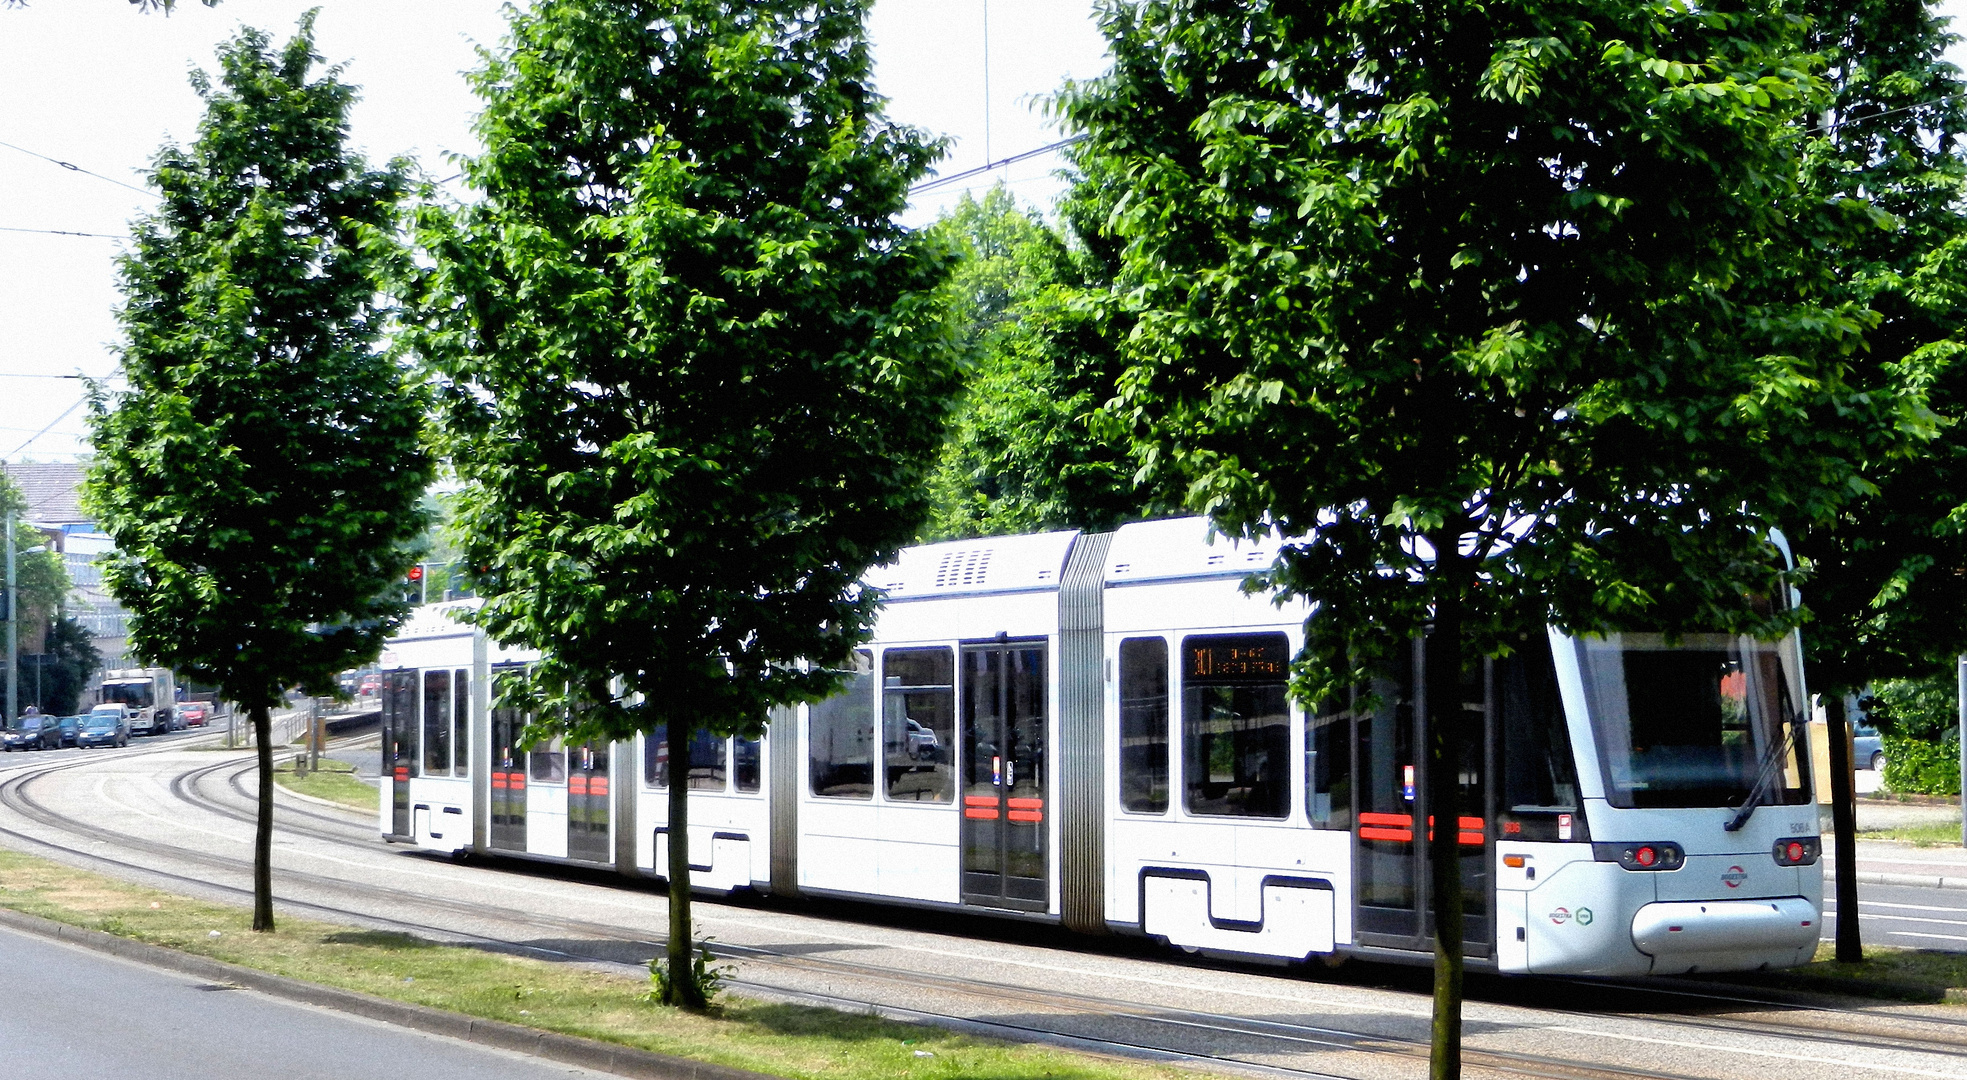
705	971
1886	580
1469	278
1923	766
1923	709
260	472
1025	452
695	368
71	661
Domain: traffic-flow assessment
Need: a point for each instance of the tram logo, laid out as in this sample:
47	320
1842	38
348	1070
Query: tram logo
1584	916
1734	877
1561	916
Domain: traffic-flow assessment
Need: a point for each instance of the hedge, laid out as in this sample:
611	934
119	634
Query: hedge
1922	766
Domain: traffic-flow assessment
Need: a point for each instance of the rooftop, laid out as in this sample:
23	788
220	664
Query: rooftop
51	489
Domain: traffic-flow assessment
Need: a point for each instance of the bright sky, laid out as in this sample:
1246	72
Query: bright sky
95	84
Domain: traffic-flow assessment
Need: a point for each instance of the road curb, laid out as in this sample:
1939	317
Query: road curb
552	1046
1867	877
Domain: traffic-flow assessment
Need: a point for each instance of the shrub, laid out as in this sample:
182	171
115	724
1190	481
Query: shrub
1917	766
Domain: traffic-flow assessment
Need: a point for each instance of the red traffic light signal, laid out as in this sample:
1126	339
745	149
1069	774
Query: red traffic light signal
416	572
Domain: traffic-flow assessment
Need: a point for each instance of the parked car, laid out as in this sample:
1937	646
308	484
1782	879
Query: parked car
71	730
195	713
32	733
104	729
1867	749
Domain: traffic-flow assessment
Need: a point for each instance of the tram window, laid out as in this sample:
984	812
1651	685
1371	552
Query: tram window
1144	725
840	736
1328	764
1236	733
399	704
745	755
437	723
707	759
549	763
461	720
655	758
918	723
1539	771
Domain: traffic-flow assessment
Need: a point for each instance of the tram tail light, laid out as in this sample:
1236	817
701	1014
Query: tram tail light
1643	855
1797	850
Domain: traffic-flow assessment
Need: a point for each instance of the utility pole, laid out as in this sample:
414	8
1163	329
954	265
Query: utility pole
1963	750
13	641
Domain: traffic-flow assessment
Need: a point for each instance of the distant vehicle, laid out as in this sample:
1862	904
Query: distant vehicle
32	733
1867	748
149	693
71	730
194	713
103	728
370	685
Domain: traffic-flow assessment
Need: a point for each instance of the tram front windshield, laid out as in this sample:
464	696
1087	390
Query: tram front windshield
1704	720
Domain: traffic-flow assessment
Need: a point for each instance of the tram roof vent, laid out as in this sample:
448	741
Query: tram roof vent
970	567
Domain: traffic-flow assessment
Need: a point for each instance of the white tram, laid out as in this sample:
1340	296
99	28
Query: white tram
1093	729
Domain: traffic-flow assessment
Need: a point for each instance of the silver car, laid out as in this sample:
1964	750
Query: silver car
1867	749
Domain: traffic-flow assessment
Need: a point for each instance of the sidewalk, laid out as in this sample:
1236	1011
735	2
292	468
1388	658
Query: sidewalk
1885	862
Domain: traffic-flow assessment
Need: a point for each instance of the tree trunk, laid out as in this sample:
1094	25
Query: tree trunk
684	990
263	828
1844	828
1443	675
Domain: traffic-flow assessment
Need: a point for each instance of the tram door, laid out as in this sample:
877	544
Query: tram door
587	803
399	744
508	780
1394	909
1004	763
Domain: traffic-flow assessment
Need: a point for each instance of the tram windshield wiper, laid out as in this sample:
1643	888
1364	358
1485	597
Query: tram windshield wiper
1759	789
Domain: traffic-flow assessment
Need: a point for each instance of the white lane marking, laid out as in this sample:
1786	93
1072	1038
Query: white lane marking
1915	933
1902	907
1783	1055
1905	918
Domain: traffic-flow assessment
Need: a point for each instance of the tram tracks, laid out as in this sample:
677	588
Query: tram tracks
1086	1021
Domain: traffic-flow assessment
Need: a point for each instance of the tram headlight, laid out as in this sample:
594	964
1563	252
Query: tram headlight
1797	850
1644	855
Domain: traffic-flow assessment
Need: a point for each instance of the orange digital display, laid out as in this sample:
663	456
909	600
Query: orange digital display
1238	658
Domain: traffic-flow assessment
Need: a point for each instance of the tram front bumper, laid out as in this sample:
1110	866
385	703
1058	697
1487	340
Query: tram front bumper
1727	935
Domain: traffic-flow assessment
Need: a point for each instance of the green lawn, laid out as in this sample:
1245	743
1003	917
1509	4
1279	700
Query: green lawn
787	1040
334	781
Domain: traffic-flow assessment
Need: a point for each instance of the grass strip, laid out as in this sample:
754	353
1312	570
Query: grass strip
1924	834
334	781
1893	974
572	999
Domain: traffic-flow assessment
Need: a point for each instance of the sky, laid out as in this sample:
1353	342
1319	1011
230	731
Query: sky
100	86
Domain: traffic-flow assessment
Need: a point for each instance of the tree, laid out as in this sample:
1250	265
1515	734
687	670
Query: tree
70	661
1886	579
696	369
260	474
1453	292
1026	450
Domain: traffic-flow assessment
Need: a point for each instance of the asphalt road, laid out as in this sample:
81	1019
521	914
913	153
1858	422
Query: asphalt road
69	1012
1907	916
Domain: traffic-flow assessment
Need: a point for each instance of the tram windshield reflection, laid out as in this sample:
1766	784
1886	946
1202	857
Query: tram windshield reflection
1698	721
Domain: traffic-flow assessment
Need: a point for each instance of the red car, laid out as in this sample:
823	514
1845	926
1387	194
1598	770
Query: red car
194	713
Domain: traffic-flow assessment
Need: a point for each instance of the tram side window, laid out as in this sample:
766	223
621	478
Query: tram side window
1328	763
706	761
918	719
655	758
549	763
399	704
437	723
461	720
1144	725
1236	733
840	737
745	757
1539	771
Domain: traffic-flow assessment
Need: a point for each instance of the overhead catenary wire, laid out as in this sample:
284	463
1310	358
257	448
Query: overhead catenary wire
942	181
50	427
63	232
72	167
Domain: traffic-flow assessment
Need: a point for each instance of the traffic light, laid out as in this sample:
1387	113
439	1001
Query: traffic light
413	588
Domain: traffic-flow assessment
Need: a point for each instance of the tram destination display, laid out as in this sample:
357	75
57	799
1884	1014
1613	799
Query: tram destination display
1237	658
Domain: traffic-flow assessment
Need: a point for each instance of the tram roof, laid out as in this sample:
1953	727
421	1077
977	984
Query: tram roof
1170	549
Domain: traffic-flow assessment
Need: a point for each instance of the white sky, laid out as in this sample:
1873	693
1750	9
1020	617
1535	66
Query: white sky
96	84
